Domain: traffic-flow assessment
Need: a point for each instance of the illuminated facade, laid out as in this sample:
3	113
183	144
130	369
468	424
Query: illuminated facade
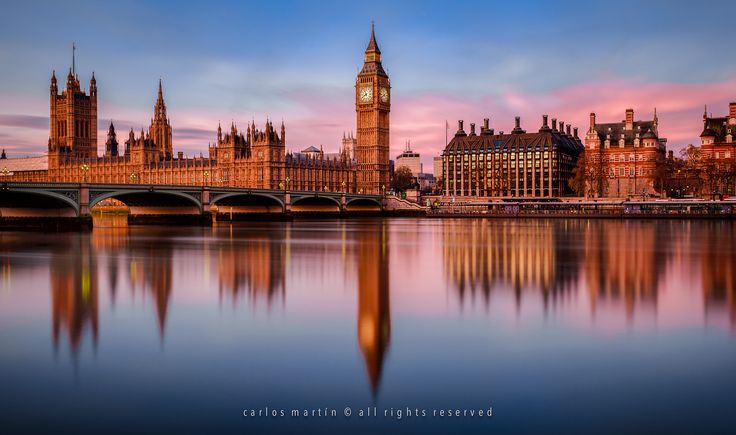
255	157
518	164
372	106
718	149
627	153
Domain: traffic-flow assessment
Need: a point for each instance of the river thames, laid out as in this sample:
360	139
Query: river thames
553	326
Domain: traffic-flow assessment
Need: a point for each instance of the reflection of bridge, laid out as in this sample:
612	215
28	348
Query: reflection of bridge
28	199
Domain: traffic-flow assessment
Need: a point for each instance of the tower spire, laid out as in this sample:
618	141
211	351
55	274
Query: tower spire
160	91
74	67
372	44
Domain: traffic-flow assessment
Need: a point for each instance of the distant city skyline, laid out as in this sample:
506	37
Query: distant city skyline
297	61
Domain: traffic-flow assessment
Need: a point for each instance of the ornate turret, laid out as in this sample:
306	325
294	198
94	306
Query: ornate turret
72	121
372	57
54	87
111	144
93	85
372	52
160	129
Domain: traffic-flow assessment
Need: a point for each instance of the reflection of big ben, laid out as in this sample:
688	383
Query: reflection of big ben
374	318
372	105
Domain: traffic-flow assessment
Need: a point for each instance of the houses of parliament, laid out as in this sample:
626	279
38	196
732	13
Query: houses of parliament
253	157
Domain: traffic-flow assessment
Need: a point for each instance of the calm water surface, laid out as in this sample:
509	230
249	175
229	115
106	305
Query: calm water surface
561	326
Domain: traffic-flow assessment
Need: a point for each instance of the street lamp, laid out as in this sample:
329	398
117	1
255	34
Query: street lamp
133	177
325	189
286	187
343	186
383	189
5	171
204	178
85	169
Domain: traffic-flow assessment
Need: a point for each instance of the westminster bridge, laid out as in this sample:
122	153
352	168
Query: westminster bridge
20	200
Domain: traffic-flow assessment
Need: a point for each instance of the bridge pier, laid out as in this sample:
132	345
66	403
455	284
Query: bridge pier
287	203
205	200
83	200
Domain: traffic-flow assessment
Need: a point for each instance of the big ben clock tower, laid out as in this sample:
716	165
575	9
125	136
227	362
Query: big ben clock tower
372	106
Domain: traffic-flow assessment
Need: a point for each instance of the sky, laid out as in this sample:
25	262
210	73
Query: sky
296	61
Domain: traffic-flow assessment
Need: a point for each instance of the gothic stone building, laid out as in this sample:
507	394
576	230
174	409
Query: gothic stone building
256	157
518	164
627	153
372	105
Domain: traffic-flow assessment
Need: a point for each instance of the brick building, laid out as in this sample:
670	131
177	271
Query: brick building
625	155
718	150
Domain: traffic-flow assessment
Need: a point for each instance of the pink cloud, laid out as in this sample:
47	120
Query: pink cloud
320	118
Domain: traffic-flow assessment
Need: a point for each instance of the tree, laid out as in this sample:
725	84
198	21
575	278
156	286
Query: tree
691	157
403	179
589	174
578	181
663	170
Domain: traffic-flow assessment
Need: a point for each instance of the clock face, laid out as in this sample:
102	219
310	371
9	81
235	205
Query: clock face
366	94
384	95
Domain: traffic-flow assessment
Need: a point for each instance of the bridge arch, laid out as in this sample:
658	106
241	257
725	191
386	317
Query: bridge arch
316	204
35	203
363	204
247	203
152	201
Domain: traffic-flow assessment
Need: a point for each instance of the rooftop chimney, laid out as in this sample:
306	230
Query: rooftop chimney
629	119
562	127
592	121
472	129
544	127
732	109
180	154
554	124
460	127
485	123
517	126
575	132
568	129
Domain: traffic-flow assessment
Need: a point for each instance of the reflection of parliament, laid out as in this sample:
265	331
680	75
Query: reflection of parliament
253	157
149	270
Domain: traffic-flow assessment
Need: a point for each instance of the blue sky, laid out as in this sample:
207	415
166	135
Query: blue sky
234	61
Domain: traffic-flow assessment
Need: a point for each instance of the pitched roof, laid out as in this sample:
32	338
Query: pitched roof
646	129
718	127
547	140
38	163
